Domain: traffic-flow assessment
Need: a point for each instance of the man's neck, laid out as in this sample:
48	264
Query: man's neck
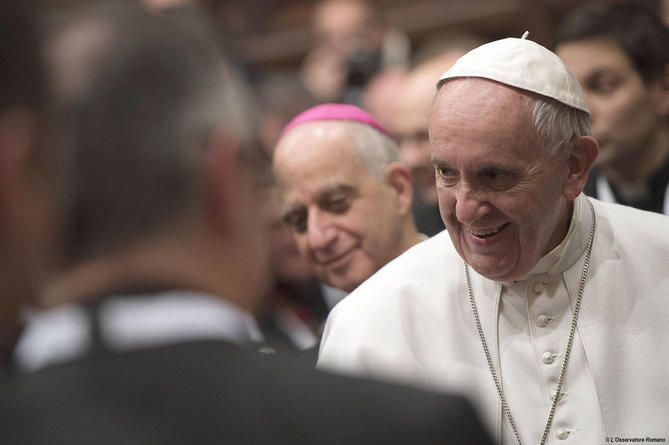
411	237
631	174
156	266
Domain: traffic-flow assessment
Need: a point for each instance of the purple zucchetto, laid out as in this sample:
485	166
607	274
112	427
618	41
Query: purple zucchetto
335	112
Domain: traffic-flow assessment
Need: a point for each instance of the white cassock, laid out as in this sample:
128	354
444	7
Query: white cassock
412	321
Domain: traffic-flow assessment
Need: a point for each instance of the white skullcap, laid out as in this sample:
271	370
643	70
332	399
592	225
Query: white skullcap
523	64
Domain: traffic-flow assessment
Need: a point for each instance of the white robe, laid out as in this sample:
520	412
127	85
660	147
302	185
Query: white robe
412	321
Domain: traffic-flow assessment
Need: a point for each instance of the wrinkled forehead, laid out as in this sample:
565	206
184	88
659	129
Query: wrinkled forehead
473	112
480	91
476	101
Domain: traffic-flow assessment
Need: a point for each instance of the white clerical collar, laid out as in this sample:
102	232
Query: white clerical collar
132	322
332	295
572	246
605	193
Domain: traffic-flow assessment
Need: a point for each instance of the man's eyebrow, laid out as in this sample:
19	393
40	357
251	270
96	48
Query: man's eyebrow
485	167
337	187
439	162
604	70
499	167
290	210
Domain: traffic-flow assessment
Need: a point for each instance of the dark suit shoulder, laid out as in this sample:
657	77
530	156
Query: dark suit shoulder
213	392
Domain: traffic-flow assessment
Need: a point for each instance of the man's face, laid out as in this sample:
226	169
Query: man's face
500	195
409	122
344	26
624	110
346	224
288	264
411	117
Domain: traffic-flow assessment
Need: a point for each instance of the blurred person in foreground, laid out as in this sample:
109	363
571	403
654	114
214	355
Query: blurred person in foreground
31	191
619	52
547	307
165	259
346	197
410	116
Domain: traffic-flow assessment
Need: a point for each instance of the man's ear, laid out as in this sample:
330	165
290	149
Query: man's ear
398	178
663	98
221	183
583	154
17	133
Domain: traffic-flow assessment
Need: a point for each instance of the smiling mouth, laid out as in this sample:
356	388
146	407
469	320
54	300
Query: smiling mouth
333	261
485	233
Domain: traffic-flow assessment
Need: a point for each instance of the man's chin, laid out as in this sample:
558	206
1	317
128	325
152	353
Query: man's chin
494	269
344	282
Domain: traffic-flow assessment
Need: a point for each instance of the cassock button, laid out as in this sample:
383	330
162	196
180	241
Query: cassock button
554	393
562	434
543	320
548	357
538	288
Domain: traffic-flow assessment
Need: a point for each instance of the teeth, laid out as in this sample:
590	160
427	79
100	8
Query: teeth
484	232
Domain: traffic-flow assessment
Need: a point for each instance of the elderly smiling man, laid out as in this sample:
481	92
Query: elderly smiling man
547	307
347	197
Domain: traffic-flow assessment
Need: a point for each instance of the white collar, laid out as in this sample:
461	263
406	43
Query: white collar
605	193
332	295
147	320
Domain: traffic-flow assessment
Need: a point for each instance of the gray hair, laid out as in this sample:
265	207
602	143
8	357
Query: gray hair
375	149
153	94
557	124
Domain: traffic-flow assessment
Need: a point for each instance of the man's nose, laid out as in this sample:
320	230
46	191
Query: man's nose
320	231
471	204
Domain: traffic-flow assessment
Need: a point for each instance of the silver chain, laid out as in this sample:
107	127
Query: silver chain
565	361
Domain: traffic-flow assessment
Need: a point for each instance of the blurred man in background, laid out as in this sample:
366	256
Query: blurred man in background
410	120
166	256
619	52
351	45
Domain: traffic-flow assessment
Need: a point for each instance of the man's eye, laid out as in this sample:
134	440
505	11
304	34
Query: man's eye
446	175
297	221
498	179
604	85
444	171
339	204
